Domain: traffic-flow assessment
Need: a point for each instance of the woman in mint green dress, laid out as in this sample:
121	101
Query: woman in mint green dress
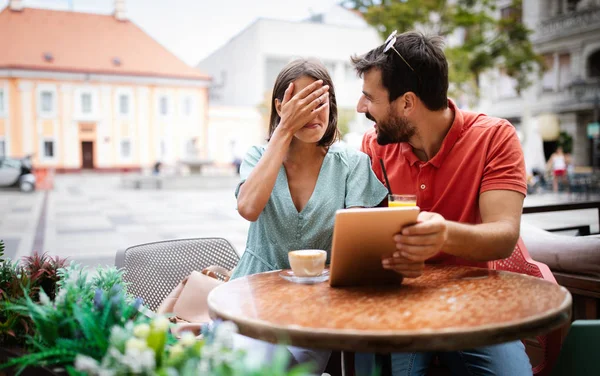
292	187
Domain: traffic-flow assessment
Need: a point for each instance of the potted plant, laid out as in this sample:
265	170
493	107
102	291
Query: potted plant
92	326
37	272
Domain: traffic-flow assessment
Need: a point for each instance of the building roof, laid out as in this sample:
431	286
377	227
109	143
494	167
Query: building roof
42	39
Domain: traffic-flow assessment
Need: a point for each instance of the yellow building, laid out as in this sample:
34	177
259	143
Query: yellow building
93	91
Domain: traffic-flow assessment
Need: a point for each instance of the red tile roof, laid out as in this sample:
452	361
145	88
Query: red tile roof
84	43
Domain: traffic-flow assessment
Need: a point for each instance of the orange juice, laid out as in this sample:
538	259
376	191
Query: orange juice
395	200
396	204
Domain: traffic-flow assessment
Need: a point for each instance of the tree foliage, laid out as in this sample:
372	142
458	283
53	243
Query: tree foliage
491	37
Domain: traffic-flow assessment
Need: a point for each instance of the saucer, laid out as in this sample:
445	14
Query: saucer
288	275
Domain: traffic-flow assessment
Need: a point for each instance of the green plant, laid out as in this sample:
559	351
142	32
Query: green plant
33	274
565	140
13	326
93	327
345	117
43	272
78	320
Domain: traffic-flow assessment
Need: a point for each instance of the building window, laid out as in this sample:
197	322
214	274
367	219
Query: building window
564	71
548	78
47	100
123	104
593	64
572	5
125	149
559	7
507	86
164	106
187	106
86	103
512	13
48	149
2	148
190	148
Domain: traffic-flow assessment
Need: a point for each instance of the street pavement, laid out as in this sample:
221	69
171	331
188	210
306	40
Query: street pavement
88	217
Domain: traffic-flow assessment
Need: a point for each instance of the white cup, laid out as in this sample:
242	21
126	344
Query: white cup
307	262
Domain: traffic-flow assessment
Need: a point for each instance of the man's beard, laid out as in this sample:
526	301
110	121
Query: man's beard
393	129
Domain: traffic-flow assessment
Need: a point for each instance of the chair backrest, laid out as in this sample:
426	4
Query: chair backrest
154	269
521	262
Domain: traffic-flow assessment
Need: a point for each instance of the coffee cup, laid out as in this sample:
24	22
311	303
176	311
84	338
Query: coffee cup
307	262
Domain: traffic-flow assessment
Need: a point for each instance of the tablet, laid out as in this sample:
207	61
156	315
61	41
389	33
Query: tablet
360	238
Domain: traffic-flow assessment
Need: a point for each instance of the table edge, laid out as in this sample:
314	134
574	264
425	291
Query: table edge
532	326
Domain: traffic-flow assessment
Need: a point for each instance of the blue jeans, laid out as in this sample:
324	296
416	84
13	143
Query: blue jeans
506	359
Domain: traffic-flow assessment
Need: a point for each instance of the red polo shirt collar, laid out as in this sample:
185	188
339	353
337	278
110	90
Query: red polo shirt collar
453	135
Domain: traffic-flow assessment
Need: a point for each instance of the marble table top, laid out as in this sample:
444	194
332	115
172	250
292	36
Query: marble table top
447	308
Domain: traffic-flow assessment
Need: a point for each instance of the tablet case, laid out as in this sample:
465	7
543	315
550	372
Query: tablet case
360	238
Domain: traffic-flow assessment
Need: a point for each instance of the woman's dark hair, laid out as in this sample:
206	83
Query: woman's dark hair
293	71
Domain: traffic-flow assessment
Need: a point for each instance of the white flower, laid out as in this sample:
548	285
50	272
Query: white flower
44	299
203	367
135	344
209	351
187	339
224	333
141	330
160	323
118	336
115	353
60	297
138	361
85	363
147	359
176	350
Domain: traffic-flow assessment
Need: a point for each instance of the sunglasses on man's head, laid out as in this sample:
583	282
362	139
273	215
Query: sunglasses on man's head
389	45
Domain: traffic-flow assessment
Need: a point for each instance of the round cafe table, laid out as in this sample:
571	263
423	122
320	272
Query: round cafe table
447	308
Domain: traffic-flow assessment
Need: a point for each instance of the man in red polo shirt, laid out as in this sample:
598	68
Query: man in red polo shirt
467	170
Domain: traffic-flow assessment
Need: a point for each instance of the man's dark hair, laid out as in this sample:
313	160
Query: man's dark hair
429	80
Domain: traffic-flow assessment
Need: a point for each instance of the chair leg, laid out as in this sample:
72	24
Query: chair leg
348	363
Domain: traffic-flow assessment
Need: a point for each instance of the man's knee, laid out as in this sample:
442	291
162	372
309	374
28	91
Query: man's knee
500	360
411	364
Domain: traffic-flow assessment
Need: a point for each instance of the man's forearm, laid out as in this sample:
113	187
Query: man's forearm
482	242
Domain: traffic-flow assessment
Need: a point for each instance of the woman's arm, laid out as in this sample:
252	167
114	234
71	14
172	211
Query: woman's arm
256	190
295	113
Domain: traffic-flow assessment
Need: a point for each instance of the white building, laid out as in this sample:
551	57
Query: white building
245	68
567	96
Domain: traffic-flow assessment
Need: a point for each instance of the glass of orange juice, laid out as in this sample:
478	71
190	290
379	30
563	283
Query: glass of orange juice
395	200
